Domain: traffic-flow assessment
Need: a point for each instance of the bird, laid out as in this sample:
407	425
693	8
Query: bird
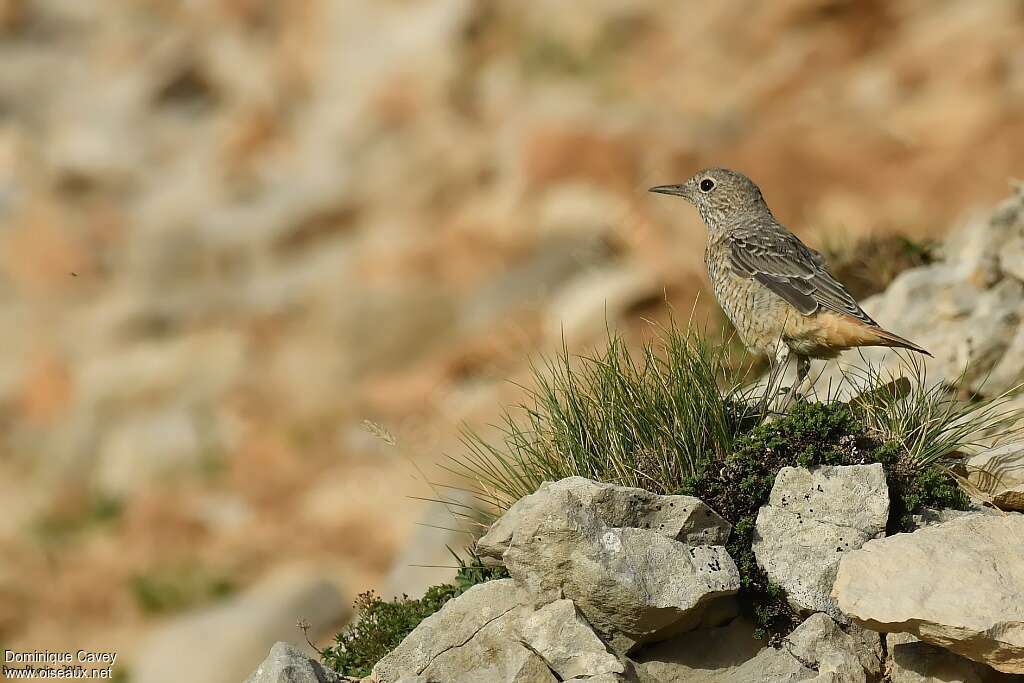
777	291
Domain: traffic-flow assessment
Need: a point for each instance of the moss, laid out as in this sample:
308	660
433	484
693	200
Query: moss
172	590
381	625
812	434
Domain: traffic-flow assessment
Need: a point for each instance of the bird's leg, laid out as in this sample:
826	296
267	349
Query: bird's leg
781	361
782	357
803	368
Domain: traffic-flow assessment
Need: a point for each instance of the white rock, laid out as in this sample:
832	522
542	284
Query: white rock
959	585
812	518
454	625
493	655
633	583
705	655
681	518
560	634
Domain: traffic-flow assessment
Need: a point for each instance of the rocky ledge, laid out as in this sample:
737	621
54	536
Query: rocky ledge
610	583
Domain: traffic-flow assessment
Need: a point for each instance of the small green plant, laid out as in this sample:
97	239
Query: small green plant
172	590
381	625
66	523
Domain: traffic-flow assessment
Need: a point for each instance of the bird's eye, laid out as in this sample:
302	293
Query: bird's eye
707	185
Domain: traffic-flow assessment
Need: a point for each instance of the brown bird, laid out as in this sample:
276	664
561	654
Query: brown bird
776	290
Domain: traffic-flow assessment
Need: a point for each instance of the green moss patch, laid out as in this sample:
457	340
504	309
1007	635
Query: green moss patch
382	624
810	435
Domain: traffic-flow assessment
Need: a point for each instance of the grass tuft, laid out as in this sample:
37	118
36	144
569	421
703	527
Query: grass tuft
650	420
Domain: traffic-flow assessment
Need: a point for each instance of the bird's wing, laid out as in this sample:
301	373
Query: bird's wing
781	262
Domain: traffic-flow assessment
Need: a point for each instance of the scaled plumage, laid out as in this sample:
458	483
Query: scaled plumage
777	291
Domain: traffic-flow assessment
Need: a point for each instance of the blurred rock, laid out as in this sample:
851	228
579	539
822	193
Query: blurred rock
223	641
580	207
812	518
965	310
193	367
914	583
533	281
425	559
592	303
147	448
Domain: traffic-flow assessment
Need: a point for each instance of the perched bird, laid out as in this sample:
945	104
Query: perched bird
776	290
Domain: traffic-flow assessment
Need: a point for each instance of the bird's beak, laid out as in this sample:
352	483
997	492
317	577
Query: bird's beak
678	190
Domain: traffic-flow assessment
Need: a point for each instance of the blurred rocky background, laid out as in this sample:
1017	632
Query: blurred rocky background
260	259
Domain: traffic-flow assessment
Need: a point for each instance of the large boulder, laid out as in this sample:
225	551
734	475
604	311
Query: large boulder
487	635
639	566
959	585
451	627
999	474
812	518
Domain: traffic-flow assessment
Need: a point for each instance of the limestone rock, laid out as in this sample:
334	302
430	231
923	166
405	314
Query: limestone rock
958	585
458	622
287	664
681	518
999	473
560	635
487	635
704	655
821	643
818	650
812	518
492	656
612	550
912	661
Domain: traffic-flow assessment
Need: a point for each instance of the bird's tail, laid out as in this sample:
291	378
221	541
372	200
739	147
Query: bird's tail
887	338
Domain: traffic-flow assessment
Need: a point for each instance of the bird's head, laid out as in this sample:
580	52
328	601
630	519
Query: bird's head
719	195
